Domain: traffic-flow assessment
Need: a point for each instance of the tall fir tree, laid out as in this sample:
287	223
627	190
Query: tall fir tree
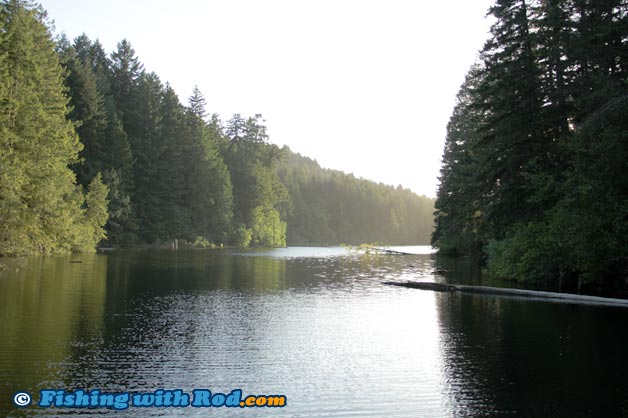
210	191
511	99
107	150
460	207
537	152
126	71
172	165
41	207
87	111
147	146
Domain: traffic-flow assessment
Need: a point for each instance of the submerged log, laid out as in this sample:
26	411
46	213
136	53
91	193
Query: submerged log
503	291
387	251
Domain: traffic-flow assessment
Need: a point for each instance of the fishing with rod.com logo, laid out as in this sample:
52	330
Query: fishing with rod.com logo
160	398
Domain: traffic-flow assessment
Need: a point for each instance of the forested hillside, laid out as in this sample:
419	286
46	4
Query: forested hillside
534	169
95	148
332	207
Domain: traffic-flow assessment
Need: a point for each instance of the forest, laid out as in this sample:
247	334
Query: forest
534	177
330	206
97	151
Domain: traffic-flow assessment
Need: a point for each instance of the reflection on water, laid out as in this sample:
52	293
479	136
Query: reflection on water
49	309
315	324
510	357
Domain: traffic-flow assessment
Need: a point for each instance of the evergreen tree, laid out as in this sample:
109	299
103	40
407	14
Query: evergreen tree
148	148
87	111
513	143
197	104
170	179
150	168
209	193
252	164
96	212
107	150
535	147
461	204
126	71
40	204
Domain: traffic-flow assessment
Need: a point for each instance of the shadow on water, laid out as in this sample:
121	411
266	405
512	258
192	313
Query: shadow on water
457	270
467	271
47	305
508	357
162	303
96	321
162	272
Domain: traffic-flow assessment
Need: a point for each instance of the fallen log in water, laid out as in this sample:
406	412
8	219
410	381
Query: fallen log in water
388	251
503	291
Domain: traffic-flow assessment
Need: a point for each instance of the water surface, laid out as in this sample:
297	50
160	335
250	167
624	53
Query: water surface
315	324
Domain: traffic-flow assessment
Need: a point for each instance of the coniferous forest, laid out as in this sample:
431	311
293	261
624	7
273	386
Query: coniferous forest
96	150
535	170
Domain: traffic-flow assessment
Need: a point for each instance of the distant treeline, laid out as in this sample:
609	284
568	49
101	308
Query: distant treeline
96	149
535	169
333	207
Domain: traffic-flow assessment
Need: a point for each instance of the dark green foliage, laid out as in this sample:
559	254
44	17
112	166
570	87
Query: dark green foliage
106	148
147	147
534	167
258	194
121	224
151	170
170	182
126	71
460	215
87	111
211	200
511	134
41	207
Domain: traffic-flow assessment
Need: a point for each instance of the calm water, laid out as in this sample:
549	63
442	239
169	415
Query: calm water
315	324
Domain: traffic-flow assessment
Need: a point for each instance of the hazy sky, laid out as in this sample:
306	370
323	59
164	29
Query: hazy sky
362	86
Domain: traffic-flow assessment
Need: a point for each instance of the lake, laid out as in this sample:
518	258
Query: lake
314	324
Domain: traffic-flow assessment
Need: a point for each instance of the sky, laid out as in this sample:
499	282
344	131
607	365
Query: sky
366	87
